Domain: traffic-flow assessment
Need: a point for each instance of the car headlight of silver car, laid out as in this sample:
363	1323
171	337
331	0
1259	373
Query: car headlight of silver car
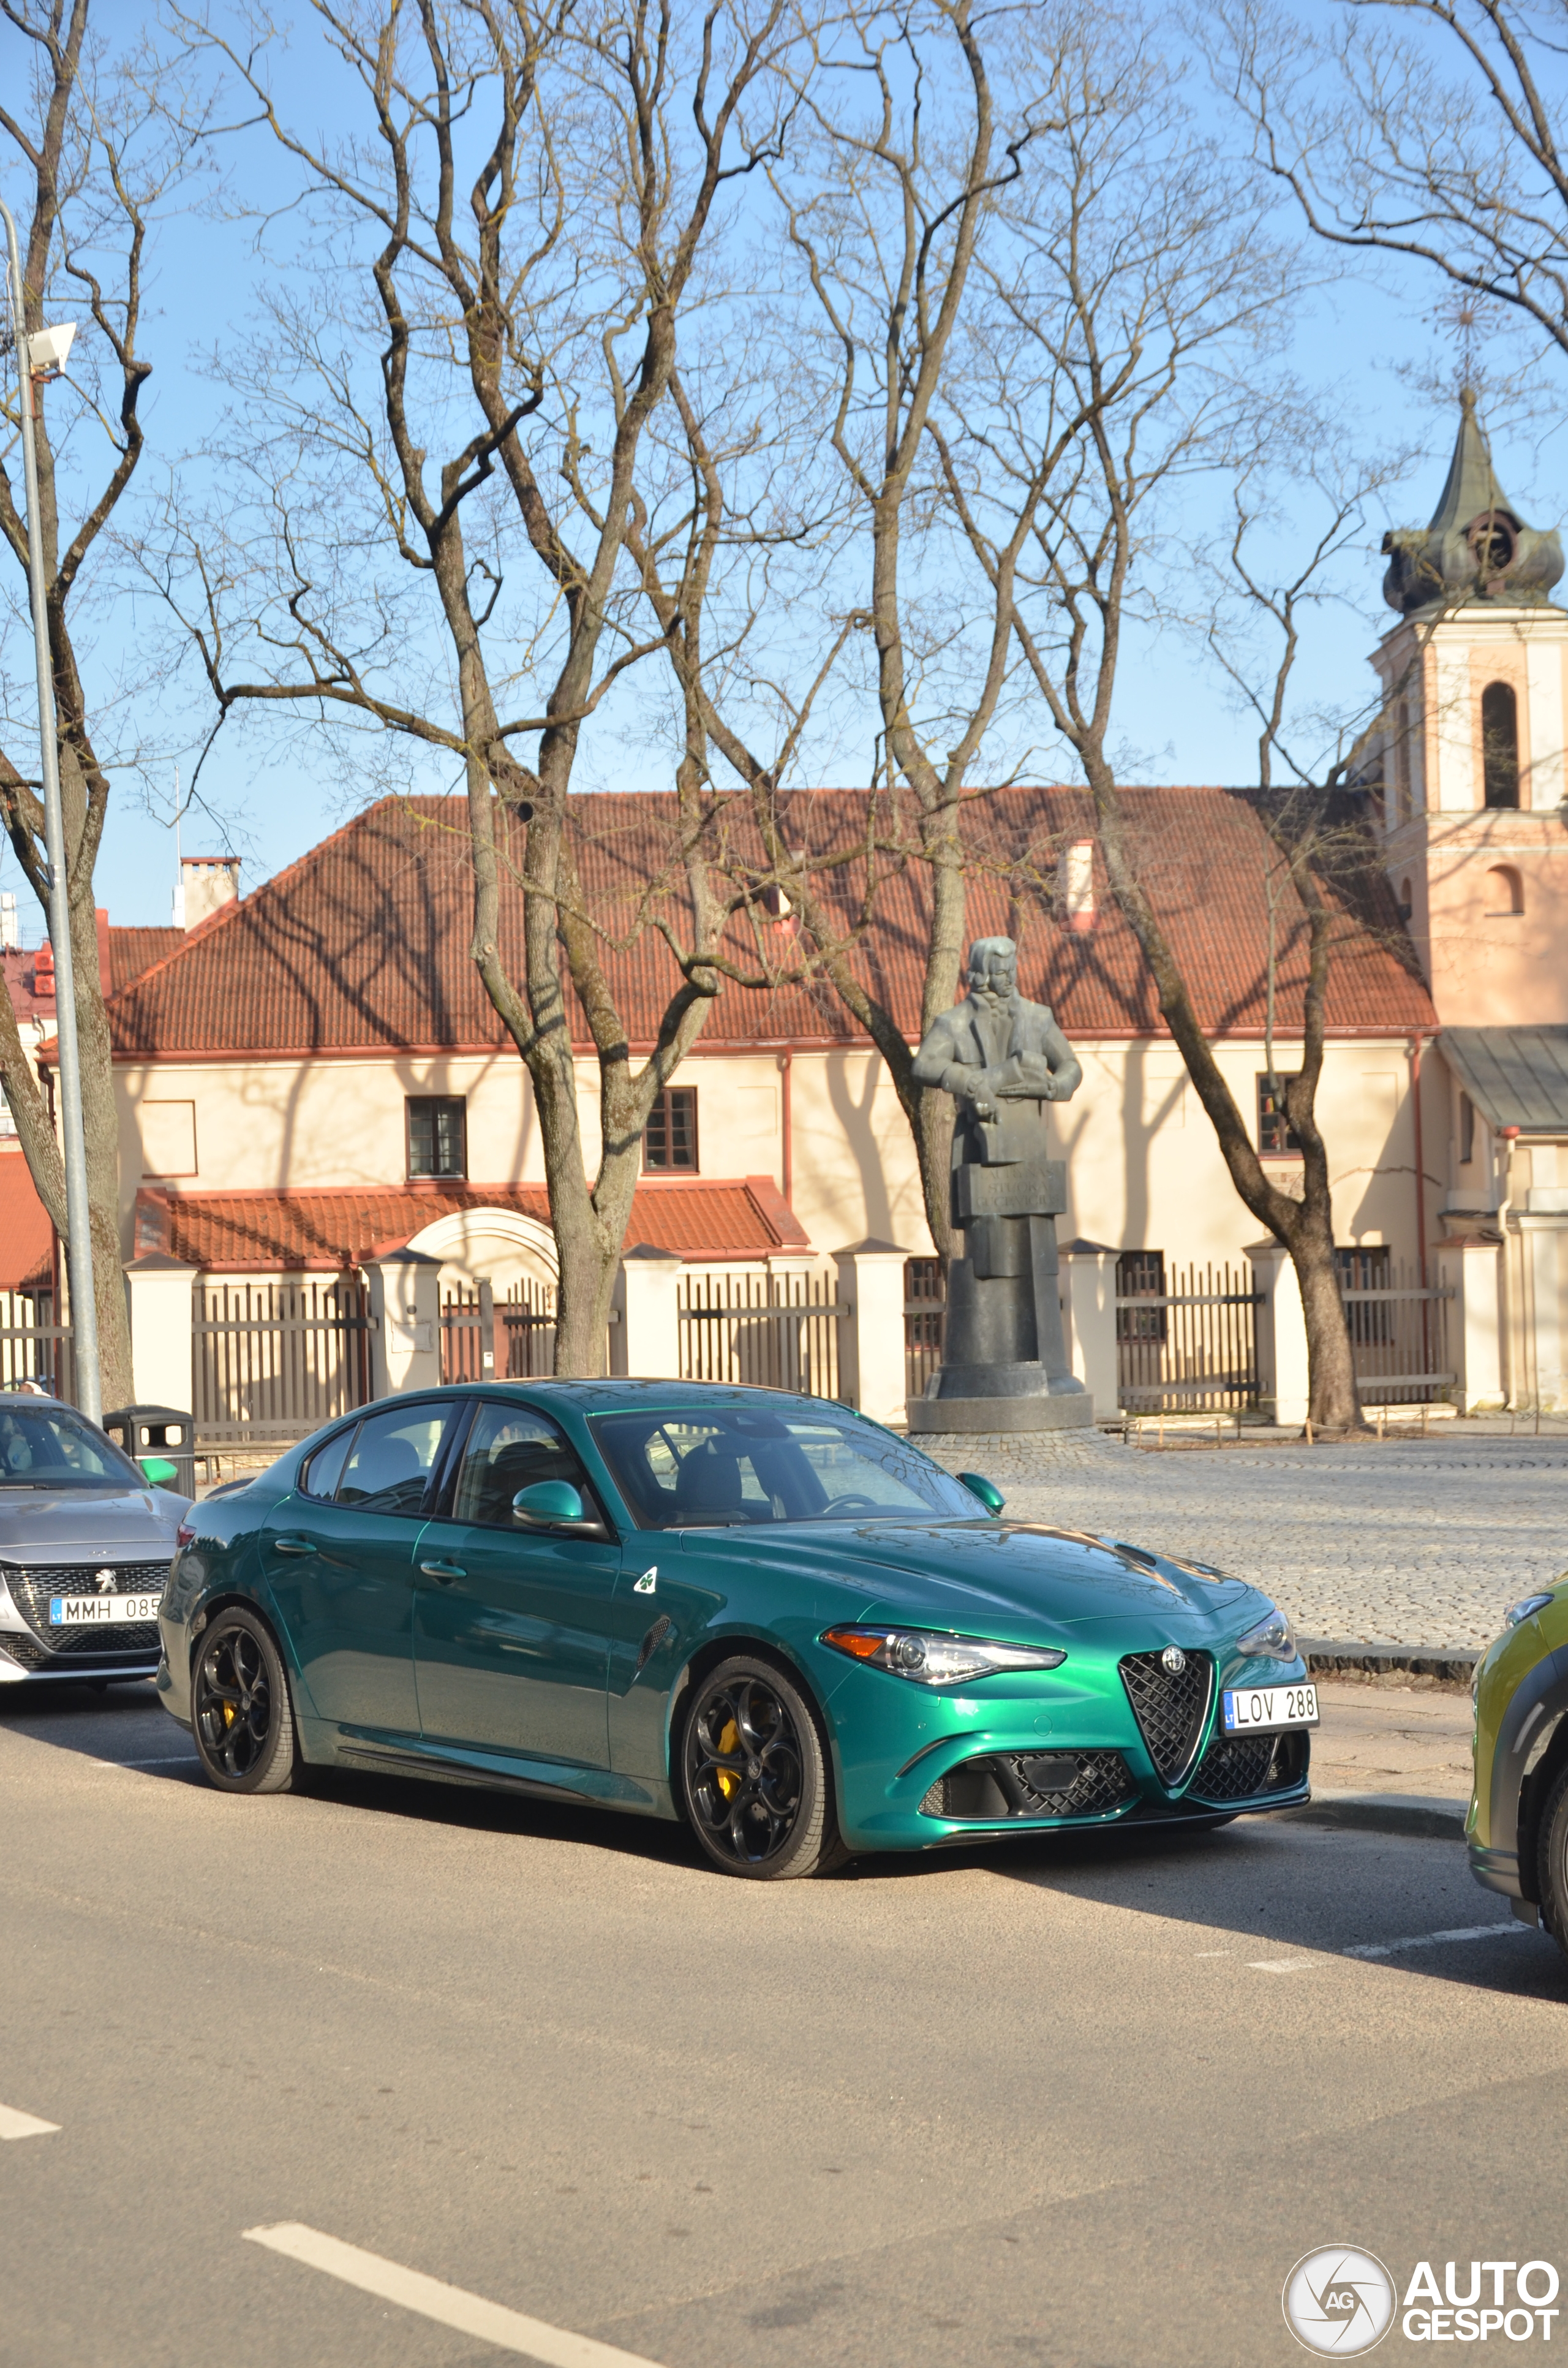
1273	1637
934	1659
1525	1608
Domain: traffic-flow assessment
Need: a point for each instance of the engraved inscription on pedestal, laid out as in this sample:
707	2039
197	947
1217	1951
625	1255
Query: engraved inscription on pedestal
1002	1059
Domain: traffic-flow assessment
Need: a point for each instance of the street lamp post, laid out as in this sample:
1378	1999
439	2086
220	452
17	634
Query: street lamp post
78	1223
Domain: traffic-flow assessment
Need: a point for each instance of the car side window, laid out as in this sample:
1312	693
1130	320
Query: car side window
509	1449
394	1454
322	1473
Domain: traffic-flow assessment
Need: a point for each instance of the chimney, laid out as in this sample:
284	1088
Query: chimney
1076	885
206	881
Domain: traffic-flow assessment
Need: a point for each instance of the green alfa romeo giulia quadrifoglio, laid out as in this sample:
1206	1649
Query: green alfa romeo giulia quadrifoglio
755	1611
1518	1826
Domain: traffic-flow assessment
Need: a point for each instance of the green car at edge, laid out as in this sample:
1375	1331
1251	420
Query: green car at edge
756	1611
1517	1826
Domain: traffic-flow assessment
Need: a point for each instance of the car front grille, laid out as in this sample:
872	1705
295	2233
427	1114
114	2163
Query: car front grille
121	1648
30	1590
1243	1767
1032	1784
1170	1706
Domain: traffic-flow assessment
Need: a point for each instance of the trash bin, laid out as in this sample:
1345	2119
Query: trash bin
154	1434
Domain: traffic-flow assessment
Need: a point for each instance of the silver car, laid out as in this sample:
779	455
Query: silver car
86	1541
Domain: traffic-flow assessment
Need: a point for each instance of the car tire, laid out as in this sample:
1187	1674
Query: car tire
756	1779
1552	1862
242	1714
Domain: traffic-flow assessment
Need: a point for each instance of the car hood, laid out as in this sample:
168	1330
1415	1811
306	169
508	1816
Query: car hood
970	1574
44	1525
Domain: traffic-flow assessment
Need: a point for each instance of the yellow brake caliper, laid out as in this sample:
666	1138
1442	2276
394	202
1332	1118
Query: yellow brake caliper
728	1742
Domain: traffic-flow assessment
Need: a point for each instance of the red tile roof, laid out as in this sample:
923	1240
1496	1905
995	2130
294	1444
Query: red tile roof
27	1237
230	1232
363	944
130	952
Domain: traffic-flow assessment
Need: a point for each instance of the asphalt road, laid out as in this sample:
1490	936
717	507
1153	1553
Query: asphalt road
1060	2102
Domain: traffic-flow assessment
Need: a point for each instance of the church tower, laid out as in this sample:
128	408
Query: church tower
1475	683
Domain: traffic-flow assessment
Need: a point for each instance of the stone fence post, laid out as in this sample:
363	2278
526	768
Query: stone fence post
871	1372
161	1338
1472	1269
1088	1274
405	1310
649	1304
1281	1334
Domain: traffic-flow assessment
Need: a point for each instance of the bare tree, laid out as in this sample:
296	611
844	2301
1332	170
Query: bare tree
1431	130
504	255
98	130
904	144
1128	316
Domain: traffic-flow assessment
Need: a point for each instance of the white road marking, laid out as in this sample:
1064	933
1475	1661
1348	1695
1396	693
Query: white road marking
1279	1965
556	2347
1433	1939
24	2126
1214	1953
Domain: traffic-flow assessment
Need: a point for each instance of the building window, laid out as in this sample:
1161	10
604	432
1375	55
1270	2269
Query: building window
1403	800
1141	1274
1274	1131
438	1135
1500	743
669	1140
1467	1130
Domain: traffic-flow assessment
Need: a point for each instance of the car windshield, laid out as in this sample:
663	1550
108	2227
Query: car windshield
703	1470
50	1447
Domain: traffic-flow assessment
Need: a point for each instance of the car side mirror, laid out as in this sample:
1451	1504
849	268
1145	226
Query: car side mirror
987	1491
159	1470
554	1505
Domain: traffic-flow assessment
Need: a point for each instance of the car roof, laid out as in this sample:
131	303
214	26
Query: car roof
621	1397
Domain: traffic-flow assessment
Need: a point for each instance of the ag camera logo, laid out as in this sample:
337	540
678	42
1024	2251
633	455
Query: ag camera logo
1340	2301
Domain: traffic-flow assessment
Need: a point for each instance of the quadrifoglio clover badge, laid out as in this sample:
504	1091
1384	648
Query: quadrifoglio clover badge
1340	2301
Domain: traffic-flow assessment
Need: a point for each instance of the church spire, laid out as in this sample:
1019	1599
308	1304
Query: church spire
1477	545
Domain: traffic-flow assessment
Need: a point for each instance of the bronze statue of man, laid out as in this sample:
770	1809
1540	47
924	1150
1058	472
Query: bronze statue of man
1005	1362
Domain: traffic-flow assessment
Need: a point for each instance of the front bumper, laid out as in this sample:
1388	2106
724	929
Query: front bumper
918	1772
26	1660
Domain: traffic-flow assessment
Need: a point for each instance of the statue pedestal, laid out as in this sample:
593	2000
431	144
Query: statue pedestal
1002	1414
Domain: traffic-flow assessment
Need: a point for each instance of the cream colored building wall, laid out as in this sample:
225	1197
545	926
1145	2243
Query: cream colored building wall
1144	1169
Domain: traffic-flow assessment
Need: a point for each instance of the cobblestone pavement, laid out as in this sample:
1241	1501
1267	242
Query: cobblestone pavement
1413	1542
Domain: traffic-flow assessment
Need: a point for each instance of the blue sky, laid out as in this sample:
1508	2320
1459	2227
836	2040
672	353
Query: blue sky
1373	344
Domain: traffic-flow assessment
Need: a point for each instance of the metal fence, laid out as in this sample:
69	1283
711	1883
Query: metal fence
273	1361
31	1347
513	1339
776	1332
1399	1331
1186	1339
924	1314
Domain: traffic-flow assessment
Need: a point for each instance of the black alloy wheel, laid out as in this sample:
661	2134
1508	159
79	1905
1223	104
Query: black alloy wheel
242	1717
754	1775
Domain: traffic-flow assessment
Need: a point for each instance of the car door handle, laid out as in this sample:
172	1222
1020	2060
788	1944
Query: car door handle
445	1571
292	1546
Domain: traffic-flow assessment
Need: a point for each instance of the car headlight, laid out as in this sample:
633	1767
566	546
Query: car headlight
1273	1636
1525	1608
933	1659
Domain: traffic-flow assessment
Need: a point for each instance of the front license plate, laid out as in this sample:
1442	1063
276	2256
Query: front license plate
1265	1710
97	1610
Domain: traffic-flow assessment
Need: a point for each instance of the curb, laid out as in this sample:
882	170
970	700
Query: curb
1453	1663
1410	1814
